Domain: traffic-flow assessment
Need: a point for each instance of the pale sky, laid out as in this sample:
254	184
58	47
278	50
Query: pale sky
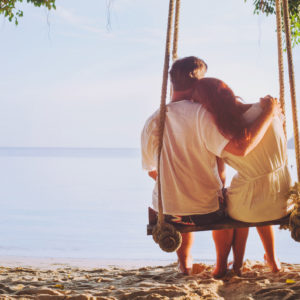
68	81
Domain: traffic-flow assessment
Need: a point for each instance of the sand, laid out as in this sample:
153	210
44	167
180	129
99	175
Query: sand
60	281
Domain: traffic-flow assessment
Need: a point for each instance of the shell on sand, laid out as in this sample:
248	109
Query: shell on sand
160	282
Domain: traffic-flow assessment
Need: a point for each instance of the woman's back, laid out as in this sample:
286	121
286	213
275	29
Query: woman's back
258	192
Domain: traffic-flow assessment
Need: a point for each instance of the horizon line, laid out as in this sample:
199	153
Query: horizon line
106	152
63	147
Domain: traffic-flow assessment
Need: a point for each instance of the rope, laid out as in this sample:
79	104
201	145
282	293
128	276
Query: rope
292	81
176	29
163	108
280	59
166	235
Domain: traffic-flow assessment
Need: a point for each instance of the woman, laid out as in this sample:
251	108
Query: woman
258	191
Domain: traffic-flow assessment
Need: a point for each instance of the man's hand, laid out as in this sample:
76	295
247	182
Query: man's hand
153	174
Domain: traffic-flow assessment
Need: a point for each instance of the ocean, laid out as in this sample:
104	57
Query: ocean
73	203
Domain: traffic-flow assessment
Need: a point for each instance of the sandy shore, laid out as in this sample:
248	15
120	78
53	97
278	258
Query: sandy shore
60	281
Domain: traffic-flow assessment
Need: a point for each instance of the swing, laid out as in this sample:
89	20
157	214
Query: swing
167	235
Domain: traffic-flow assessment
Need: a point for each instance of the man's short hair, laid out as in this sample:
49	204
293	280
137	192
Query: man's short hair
186	71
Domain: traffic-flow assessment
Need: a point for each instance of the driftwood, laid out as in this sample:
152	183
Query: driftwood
227	223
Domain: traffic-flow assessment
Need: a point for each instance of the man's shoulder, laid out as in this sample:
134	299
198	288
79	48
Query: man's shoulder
152	122
153	117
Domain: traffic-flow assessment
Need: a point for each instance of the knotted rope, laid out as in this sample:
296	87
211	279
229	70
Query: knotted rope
168	238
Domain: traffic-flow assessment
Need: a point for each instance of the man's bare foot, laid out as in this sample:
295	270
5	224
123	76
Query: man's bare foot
237	269
273	264
220	271
185	265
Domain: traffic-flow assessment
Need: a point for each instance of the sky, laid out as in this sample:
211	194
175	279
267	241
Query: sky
67	79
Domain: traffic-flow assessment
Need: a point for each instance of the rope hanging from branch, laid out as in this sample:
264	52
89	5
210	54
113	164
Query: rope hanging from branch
176	30
292	81
166	235
280	59
163	106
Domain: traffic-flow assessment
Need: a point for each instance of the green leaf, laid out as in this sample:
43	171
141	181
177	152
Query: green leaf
268	7
9	11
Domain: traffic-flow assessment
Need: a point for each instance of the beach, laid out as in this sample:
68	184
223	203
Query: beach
58	280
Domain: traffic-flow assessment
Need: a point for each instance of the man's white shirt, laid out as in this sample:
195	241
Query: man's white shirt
190	182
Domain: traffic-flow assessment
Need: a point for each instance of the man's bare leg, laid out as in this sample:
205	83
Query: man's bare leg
223	242
266	234
238	248
184	253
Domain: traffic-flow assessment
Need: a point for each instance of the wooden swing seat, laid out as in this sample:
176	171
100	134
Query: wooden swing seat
226	223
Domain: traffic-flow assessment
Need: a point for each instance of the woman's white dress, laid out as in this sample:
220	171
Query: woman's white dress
258	192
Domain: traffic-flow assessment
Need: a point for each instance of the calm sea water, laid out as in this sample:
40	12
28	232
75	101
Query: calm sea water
92	203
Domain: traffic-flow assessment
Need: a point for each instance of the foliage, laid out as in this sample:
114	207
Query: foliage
269	7
9	10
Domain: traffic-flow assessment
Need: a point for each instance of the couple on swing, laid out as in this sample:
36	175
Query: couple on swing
207	125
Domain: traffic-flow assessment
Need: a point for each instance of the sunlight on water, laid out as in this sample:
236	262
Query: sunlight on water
87	204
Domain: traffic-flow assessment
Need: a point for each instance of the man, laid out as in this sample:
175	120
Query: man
190	181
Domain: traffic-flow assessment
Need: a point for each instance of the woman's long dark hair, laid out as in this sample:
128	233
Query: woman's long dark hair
226	108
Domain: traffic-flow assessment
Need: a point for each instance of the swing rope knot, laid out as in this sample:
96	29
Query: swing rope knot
167	237
294	224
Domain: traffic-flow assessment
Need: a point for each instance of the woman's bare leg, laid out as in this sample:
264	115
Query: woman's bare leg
266	234
238	248
184	253
223	242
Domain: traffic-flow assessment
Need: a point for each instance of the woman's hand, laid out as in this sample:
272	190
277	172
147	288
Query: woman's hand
257	130
270	104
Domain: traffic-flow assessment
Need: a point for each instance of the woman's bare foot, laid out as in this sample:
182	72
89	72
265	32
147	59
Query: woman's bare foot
198	268
185	265
273	264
